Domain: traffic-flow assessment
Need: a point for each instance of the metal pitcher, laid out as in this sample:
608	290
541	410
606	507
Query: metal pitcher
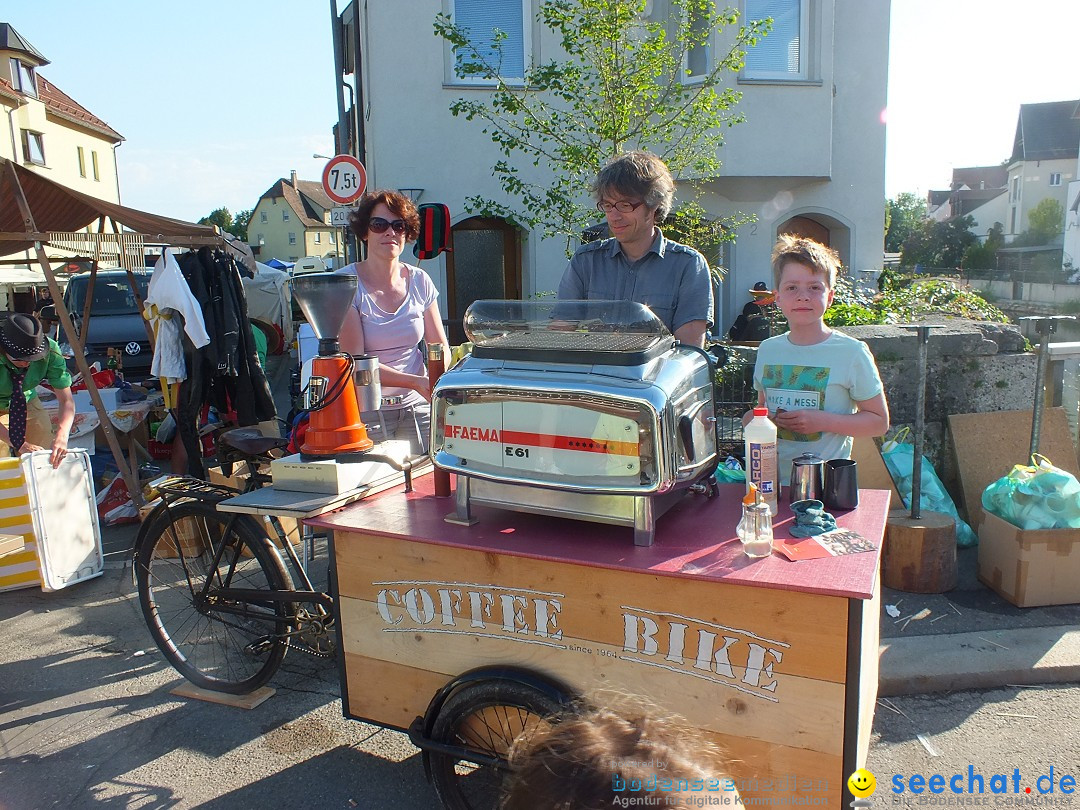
807	478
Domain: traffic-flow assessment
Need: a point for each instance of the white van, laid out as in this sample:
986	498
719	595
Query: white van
309	264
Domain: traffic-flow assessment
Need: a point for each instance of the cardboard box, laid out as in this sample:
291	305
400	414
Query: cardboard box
1029	567
331	477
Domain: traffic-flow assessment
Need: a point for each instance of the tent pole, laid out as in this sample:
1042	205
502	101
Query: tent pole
126	469
135	287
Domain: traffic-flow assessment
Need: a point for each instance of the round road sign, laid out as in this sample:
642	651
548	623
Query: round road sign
344	179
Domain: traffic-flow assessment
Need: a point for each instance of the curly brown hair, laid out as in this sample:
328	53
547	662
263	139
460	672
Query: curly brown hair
401	205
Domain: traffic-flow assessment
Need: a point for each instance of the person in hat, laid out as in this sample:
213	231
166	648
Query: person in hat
752	324
27	357
638	263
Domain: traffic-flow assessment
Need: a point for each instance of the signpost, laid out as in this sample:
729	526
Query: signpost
344	179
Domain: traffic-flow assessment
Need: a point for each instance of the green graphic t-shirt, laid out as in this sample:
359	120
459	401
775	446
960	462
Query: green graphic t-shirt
829	376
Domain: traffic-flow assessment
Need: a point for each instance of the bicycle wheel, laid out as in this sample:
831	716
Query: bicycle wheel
226	646
485	717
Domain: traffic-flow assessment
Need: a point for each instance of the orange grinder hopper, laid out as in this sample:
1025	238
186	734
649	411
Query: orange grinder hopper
334	427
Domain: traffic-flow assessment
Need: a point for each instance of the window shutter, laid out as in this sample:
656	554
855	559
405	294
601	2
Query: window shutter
479	18
780	50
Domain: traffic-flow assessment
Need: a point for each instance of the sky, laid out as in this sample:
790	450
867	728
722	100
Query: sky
217	100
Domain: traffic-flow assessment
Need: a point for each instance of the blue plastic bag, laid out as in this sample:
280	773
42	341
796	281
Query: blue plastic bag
899	458
1041	496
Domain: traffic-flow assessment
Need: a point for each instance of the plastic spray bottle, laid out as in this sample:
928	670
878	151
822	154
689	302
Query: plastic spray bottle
761	461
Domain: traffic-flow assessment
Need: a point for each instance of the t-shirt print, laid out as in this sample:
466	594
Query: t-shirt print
795	388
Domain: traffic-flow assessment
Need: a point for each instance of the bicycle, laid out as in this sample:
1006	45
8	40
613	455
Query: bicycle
219	601
224	608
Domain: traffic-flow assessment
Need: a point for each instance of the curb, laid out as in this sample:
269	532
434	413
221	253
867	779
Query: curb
978	660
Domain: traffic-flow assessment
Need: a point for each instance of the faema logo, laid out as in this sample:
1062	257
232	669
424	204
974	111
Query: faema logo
974	788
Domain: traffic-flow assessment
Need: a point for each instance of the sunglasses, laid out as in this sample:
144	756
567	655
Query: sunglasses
379	225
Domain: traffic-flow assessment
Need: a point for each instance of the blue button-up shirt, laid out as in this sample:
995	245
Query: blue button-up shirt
670	279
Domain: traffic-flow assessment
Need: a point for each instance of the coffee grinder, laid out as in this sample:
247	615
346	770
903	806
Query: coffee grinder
335	431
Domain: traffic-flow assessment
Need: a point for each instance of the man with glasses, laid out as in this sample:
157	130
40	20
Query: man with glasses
638	263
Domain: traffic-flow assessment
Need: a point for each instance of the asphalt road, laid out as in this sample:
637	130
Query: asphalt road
87	720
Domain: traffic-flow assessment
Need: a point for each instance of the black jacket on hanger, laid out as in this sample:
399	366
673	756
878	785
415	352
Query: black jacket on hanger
226	372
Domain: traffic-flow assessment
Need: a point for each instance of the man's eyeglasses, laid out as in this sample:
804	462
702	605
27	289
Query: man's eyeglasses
379	225
622	206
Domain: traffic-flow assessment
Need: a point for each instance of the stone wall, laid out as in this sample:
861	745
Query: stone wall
972	367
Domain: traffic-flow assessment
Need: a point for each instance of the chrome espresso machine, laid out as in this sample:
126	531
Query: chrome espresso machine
578	409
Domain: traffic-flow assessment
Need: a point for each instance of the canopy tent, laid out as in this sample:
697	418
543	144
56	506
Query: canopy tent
269	299
278	264
36	211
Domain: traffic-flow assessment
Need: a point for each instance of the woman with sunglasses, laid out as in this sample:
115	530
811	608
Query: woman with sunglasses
394	310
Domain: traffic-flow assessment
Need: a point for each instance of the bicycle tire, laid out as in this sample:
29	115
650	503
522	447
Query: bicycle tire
212	649
486	717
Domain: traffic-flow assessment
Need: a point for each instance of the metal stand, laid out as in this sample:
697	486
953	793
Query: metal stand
1045	325
922	333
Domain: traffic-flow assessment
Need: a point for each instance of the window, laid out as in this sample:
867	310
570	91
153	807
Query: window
698	59
262	216
260	239
1015	197
94	163
331	237
82	162
292	238
284	215
781	53
318	238
1055	178
22	78
33	147
480	18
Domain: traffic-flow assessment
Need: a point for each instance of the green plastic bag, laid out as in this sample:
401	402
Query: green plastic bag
1039	496
899	458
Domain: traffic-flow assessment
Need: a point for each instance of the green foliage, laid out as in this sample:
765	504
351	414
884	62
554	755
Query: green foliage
939	244
1047	218
1071	307
617	85
984	256
903	216
221	217
906	298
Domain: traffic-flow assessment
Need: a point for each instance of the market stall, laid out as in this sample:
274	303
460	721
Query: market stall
36	212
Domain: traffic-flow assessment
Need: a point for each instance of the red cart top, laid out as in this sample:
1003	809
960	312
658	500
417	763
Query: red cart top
695	539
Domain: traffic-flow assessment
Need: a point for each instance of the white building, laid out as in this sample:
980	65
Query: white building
810	157
1044	159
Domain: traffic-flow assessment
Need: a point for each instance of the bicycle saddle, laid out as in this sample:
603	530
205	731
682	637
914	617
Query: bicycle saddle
251	442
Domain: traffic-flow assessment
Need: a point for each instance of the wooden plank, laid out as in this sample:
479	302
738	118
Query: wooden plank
248	701
797	711
810	628
988	445
761	769
873	474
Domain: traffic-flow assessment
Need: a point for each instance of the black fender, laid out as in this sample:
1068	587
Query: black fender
421	728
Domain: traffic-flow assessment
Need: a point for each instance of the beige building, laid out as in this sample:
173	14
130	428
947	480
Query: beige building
292	220
1044	160
810	157
48	131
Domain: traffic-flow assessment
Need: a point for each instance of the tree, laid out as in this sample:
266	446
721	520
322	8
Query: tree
617	85
221	217
240	224
984	256
1046	220
939	244
904	214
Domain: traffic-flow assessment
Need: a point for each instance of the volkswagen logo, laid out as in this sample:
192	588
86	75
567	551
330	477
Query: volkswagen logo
133	348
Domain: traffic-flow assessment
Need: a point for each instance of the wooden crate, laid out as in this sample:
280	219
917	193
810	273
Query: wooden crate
784	679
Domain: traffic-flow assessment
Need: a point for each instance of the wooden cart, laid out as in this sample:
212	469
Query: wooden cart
776	660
